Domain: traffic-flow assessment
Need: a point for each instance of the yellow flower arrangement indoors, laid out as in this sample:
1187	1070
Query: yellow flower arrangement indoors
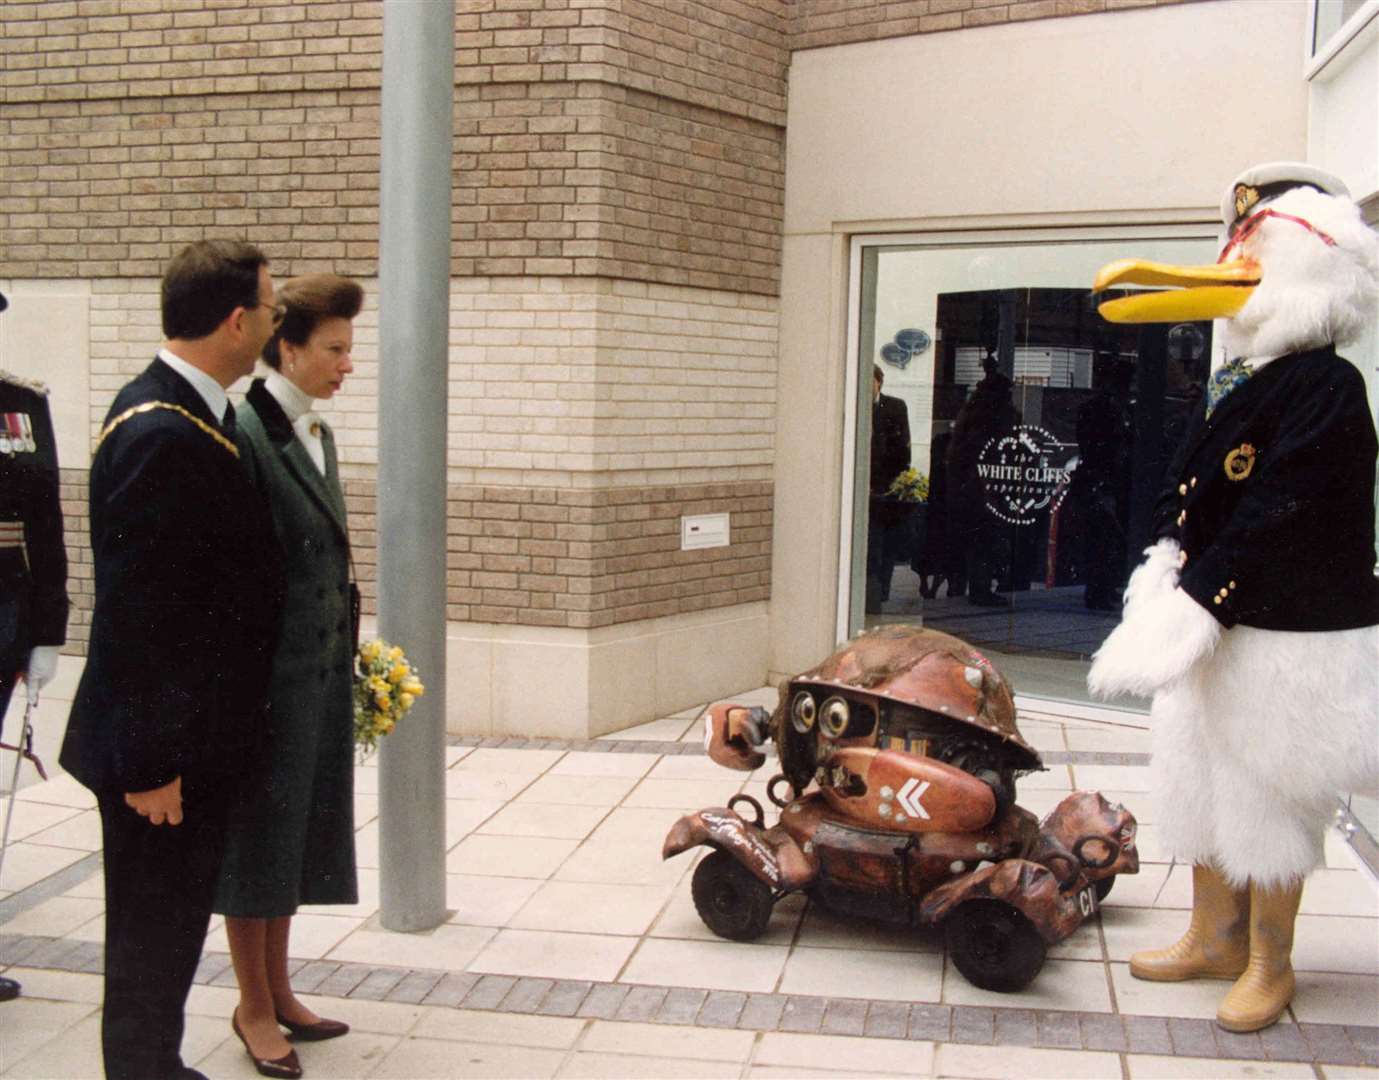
910	486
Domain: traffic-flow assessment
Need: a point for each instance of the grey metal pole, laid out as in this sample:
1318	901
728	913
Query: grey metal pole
414	315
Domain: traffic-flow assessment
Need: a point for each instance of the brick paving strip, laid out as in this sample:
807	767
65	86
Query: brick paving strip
1321	1044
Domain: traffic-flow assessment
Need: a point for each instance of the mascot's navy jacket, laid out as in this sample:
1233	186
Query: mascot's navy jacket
1270	500
188	593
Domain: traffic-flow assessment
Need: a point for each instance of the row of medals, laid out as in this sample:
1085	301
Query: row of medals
16	434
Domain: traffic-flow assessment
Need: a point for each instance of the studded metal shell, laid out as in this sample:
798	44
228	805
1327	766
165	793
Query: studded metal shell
927	669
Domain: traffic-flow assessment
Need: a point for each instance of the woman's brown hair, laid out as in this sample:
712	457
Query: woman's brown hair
310	300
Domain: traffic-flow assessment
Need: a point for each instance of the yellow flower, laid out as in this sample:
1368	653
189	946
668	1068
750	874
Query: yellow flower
369	651
377	684
398	672
386	727
413	687
405	700
395	653
382	699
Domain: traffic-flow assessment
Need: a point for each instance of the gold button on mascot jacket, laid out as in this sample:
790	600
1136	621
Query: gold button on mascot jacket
1252	621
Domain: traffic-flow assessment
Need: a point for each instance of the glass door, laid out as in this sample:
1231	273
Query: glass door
1011	444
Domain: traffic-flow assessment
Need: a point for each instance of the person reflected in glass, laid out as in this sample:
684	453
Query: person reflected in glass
1101	484
988	413
292	837
890	456
935	565
1186	380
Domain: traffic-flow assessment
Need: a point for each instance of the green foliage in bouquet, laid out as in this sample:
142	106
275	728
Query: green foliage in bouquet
384	689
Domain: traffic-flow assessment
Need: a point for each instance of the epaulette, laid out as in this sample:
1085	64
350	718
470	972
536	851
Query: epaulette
40	388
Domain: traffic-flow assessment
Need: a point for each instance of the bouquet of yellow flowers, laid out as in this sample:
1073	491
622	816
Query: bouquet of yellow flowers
910	486
385	687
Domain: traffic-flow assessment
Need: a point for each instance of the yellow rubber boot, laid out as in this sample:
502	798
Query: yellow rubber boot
1259	996
1217	942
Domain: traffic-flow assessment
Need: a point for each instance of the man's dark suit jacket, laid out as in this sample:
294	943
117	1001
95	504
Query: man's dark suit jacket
890	442
188	591
1272	500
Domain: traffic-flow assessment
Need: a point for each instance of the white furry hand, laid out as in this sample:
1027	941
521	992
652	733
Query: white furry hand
1155	576
1163	633
42	667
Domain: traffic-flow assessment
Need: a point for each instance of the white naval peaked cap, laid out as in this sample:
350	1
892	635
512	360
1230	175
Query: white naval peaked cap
1271	179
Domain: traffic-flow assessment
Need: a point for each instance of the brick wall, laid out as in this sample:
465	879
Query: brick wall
584	382
586	416
727	55
81	583
818	23
593	137
553	382
583	558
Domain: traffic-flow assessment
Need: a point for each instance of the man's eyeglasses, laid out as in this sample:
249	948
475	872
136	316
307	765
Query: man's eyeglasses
278	311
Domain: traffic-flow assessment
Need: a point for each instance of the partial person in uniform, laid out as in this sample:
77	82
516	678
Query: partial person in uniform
890	456
33	560
292	837
168	719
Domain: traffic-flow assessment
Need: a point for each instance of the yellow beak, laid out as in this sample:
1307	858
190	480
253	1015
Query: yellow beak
1217	291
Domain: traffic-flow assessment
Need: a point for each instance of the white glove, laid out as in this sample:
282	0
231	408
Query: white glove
1163	632
42	668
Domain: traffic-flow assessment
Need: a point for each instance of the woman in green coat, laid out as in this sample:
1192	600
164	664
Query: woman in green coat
292	839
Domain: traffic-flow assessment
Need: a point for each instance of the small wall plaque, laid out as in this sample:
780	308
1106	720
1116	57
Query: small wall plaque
703	531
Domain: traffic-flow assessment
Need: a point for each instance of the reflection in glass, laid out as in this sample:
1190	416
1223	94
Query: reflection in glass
1046	434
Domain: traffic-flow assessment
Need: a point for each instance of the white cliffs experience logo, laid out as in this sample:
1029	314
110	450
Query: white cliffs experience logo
1025	472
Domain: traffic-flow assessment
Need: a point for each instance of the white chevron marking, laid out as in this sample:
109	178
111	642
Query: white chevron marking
909	797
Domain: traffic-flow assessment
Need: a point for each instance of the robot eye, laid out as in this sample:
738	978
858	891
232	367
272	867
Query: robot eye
803	712
833	718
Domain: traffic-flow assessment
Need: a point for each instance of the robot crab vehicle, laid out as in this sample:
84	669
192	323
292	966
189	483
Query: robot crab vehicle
899	756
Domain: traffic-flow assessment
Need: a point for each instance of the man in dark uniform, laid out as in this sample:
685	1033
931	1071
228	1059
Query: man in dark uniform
33	561
169	711
890	456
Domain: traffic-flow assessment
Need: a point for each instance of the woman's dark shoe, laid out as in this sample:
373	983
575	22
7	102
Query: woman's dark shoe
286	1067
322	1029
9	989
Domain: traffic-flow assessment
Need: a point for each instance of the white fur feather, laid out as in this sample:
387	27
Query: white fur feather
1309	293
1253	747
1162	635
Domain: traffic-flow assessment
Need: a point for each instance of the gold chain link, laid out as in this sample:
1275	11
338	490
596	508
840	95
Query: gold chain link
149	406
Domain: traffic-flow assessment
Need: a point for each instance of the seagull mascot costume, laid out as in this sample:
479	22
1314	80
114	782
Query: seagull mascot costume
1252	620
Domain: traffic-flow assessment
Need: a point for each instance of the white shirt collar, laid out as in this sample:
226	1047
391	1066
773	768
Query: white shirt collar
212	393
294	401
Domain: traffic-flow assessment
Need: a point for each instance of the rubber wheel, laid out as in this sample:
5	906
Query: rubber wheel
1103	888
994	945
730	900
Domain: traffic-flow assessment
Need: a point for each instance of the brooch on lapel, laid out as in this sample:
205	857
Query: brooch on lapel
1240	462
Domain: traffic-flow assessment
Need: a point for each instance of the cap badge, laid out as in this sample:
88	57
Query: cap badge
1240	462
1245	199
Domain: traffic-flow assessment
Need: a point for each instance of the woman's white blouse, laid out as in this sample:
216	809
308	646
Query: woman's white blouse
297	404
